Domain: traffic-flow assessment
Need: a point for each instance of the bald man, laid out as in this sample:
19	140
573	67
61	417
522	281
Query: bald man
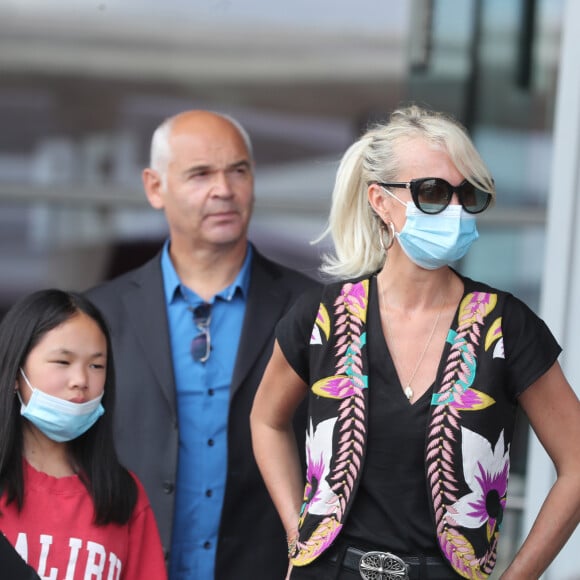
192	332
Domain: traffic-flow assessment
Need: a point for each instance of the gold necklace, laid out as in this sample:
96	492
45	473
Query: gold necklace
408	389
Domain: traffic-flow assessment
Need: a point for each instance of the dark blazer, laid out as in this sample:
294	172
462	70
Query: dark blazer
12	566
252	543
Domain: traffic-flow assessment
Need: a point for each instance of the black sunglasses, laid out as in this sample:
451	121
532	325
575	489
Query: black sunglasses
433	194
201	343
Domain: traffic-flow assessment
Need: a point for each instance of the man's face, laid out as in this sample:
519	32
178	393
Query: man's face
208	191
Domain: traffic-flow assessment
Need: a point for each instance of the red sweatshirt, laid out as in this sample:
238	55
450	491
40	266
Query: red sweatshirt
54	533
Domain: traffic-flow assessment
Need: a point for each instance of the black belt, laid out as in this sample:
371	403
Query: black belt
387	566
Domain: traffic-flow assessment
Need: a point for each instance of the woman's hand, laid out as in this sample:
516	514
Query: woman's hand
292	539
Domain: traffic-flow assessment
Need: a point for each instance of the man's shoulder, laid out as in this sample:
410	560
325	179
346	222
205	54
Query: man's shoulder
147	272
139	286
283	273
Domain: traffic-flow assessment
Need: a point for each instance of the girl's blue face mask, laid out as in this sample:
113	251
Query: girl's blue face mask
435	240
58	419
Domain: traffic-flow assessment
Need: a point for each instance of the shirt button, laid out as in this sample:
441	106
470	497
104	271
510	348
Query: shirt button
210	442
208	493
168	487
210	392
207	545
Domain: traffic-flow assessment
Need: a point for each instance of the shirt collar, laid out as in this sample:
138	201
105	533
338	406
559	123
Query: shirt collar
173	286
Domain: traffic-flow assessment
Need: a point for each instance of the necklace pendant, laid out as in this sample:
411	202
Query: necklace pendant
408	392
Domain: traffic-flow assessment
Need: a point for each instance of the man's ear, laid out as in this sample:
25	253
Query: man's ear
153	185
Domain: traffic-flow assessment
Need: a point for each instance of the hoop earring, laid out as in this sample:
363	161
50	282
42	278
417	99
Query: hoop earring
391	232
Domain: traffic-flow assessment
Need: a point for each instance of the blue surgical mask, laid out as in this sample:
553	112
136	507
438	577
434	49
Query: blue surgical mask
58	419
435	240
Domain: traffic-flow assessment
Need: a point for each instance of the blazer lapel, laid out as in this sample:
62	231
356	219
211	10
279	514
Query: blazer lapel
267	299
145	304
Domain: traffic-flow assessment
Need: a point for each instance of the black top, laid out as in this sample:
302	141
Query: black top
12	566
392	508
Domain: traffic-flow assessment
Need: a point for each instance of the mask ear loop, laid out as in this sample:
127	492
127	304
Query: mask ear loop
26	379
391	235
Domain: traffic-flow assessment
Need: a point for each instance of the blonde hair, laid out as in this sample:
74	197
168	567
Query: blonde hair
353	225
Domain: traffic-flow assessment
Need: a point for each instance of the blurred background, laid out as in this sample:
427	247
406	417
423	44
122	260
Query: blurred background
84	84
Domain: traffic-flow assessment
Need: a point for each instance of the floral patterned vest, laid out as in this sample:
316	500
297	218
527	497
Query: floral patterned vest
468	436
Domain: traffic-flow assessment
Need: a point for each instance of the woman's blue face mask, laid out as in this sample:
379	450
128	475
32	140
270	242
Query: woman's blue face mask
435	240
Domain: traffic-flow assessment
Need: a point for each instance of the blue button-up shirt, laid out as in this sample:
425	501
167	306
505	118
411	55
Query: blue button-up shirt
202	407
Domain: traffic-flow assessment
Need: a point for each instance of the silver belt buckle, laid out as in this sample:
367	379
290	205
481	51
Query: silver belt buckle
382	566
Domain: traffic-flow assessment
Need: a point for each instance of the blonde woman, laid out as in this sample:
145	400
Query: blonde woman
413	373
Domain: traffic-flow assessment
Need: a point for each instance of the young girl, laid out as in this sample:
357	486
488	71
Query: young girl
66	504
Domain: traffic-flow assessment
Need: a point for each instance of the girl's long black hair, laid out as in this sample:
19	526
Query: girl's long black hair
112	488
